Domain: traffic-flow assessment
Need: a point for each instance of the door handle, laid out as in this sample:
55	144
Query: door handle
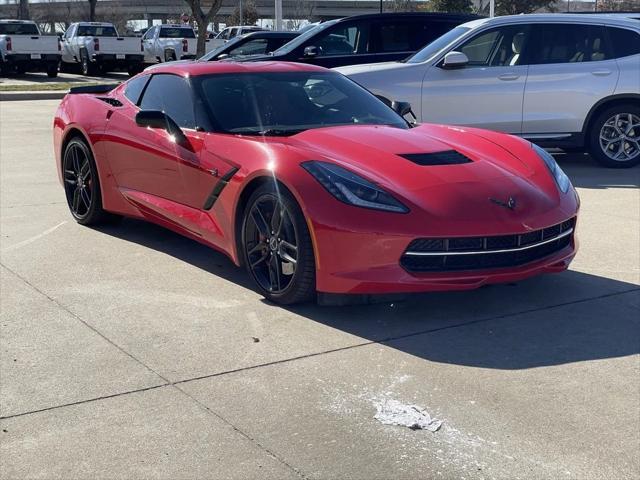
601	73
507	77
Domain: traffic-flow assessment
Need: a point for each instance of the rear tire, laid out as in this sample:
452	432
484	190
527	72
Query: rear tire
86	67
276	246
82	185
134	68
614	138
169	56
52	69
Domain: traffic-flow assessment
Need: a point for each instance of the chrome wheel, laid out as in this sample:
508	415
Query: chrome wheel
78	180
620	137
271	243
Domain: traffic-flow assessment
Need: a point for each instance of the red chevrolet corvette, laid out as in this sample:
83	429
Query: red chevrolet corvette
312	183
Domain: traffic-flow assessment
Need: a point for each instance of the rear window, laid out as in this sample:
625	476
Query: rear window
624	42
96	31
18	29
176	32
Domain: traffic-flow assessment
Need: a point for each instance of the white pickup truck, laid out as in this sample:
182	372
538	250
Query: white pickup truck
165	43
23	48
97	48
231	32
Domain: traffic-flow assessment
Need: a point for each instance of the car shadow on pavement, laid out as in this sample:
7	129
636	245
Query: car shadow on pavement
584	172
548	320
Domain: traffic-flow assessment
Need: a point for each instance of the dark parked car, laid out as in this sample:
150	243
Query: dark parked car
254	43
381	37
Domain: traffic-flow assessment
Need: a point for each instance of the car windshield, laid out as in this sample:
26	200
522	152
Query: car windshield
437	45
177	32
18	29
96	31
286	103
296	42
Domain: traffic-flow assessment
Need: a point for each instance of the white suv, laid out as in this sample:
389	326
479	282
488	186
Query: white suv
561	80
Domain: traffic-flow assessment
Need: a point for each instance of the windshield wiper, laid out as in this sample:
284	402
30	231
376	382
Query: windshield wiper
280	132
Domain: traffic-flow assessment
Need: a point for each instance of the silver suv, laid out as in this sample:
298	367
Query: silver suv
561	80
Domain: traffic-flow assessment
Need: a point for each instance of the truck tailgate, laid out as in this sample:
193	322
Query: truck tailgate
34	44
122	45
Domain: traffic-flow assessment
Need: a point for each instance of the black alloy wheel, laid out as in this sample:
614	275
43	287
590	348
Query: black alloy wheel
277	246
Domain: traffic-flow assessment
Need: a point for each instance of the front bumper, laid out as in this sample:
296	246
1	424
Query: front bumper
362	251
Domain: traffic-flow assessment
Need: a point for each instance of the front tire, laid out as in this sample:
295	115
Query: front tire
276	246
81	184
614	138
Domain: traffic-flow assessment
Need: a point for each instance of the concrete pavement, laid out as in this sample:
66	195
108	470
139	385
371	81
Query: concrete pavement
129	351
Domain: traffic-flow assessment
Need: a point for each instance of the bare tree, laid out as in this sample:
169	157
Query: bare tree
401	6
303	10
451	6
515	7
618	6
23	10
92	10
249	14
203	20
61	15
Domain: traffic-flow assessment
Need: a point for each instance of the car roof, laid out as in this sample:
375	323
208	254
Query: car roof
189	69
601	18
423	15
269	33
96	24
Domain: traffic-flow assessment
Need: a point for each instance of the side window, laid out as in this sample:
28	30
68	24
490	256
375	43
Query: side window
394	37
624	42
252	47
343	39
233	32
224	34
172	95
498	47
149	34
134	88
569	43
69	32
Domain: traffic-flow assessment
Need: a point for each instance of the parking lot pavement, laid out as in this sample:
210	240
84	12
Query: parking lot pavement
33	79
129	351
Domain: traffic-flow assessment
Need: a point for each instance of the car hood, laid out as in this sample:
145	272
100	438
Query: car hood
370	67
399	160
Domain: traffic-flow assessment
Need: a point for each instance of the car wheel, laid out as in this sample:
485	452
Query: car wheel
21	68
86	67
52	69
276	246
615	137
82	186
169	56
134	69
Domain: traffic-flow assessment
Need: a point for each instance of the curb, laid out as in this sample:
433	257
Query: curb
42	95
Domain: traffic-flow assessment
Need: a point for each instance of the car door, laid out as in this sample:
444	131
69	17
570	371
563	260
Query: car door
148	43
345	43
152	170
67	45
488	92
572	67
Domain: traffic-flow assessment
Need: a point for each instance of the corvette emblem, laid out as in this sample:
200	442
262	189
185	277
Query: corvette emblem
510	204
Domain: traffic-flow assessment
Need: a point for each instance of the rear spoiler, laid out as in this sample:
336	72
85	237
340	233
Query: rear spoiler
97	89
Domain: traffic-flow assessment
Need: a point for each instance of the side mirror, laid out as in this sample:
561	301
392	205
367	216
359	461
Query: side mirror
311	51
402	108
158	119
454	60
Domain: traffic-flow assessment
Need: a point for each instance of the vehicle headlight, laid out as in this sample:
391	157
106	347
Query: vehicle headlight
557	173
351	188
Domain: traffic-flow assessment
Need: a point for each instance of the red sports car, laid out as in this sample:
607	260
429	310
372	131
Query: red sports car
312	183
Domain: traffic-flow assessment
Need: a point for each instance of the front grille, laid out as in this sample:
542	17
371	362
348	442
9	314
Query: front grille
473	253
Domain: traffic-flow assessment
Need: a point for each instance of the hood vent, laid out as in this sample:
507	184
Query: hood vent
447	157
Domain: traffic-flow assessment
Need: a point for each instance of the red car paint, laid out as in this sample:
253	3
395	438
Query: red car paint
144	174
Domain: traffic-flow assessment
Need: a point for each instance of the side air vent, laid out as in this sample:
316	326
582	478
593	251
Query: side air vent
111	101
447	157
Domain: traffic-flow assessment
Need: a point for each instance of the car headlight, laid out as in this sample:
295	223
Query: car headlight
351	188
557	173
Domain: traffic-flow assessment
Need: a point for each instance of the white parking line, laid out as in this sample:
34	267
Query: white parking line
33	239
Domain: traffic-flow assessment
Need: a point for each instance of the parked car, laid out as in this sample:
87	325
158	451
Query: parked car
166	43
311	183
231	32
23	48
254	43
366	38
97	48
561	80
